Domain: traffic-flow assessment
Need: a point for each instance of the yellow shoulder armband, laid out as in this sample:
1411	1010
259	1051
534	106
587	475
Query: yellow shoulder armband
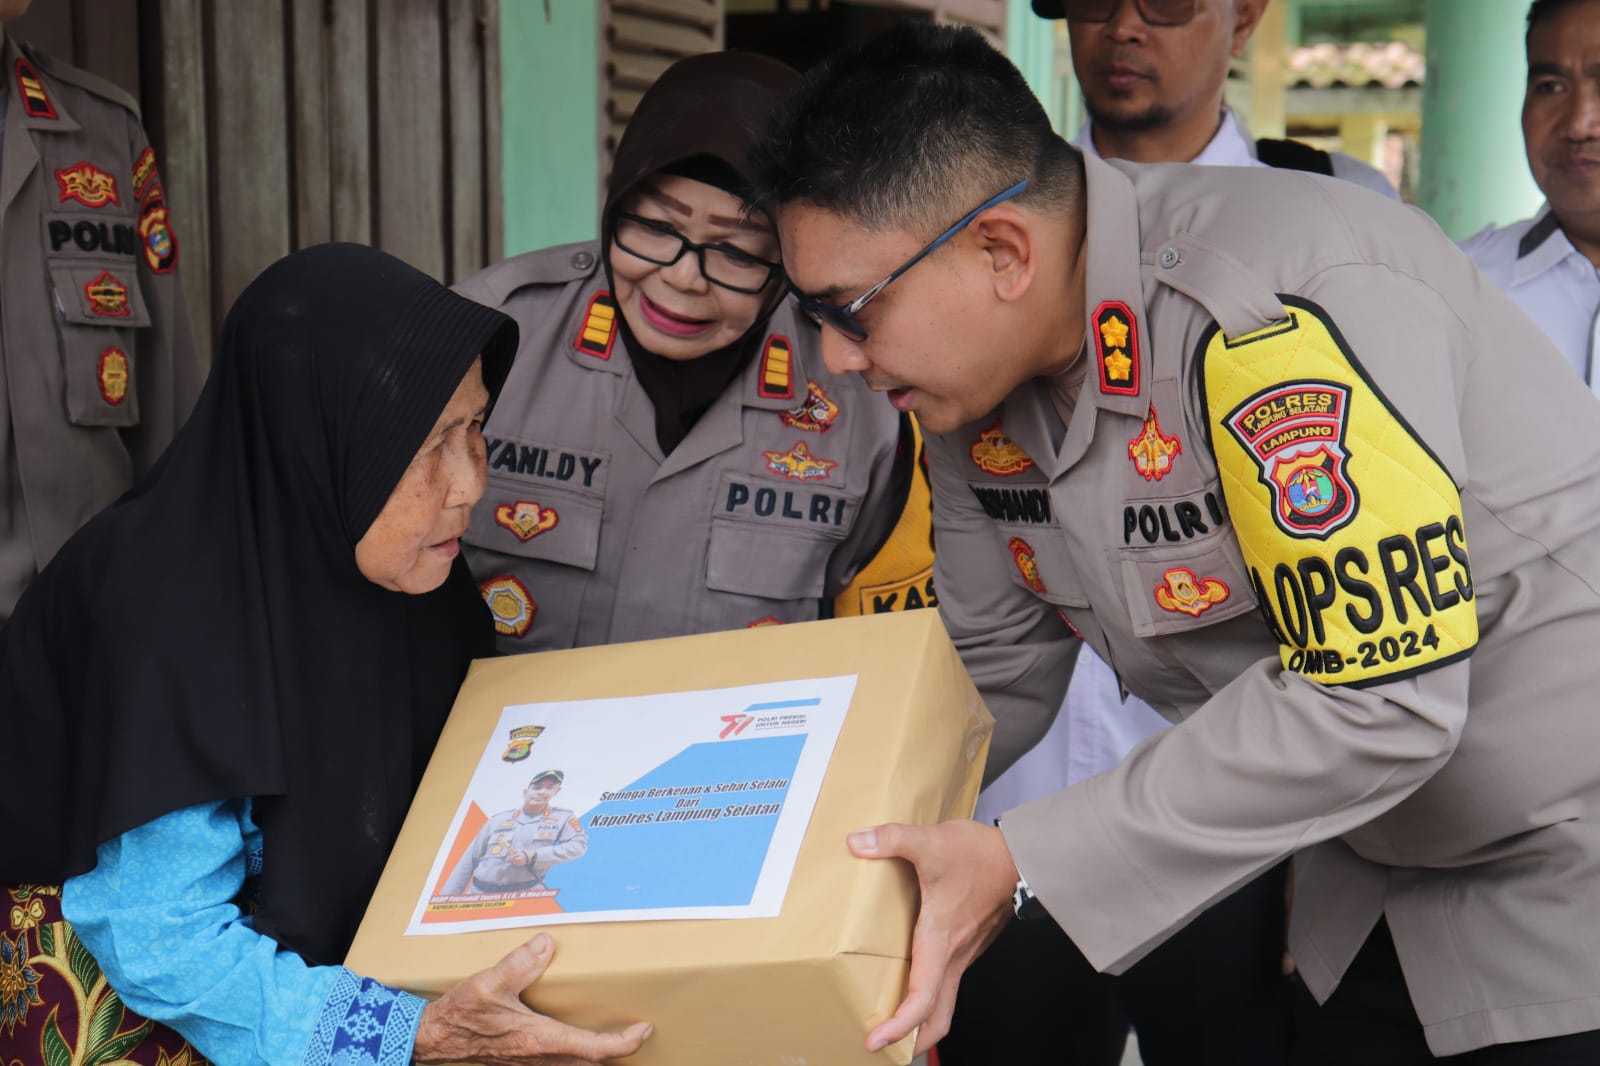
1350	526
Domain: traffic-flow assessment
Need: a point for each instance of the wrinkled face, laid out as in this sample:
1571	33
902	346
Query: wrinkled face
1136	76
1561	112
538	795
673	310
928	347
415	538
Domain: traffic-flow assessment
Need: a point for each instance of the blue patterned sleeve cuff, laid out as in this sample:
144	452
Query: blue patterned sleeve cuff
364	1023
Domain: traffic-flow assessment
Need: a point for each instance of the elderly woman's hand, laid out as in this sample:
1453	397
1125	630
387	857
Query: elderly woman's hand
483	1020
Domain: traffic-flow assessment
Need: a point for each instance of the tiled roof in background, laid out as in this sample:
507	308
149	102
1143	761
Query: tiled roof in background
1388	65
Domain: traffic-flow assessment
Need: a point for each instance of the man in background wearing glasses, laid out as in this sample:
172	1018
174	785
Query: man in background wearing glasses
1252	437
1151	74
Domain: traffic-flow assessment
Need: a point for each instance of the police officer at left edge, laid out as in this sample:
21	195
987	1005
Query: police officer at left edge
98	365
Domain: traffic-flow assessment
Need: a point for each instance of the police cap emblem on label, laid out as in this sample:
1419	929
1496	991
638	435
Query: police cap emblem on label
526	519
1022	552
160	244
798	464
1116	344
107	296
777	370
87	184
1188	594
815	414
1296	434
1152	451
995	453
510	605
599	330
113	376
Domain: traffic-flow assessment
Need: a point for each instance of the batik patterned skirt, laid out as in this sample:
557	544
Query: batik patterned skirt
55	1006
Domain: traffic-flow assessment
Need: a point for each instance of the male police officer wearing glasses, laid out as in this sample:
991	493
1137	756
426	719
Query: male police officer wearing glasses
1373	587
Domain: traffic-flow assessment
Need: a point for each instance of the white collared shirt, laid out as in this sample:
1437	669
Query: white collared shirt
1534	263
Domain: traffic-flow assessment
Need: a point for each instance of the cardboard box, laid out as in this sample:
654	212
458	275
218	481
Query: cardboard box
801	989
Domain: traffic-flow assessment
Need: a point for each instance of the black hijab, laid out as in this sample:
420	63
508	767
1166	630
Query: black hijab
700	119
209	636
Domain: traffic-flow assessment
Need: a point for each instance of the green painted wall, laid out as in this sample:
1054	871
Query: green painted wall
1031	45
550	106
1474	170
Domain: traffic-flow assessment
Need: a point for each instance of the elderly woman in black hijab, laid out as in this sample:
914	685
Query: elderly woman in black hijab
670	454
219	698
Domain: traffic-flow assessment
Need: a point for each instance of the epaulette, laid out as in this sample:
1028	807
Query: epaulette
560	265
93	83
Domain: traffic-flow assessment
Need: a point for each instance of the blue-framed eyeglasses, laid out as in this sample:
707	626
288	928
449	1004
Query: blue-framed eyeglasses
842	317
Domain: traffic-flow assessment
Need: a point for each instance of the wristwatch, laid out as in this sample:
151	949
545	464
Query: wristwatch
1025	903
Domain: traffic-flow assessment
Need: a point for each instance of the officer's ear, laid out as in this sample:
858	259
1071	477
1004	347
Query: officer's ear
1246	17
1009	244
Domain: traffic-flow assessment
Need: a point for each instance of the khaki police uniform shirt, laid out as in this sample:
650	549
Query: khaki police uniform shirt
1321	480
97	360
546	839
589	535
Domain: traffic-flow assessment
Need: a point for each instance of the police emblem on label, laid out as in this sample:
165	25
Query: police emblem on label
1296	434
521	743
107	296
1187	594
144	168
815	413
777	370
1022	552
113	376
87	184
599	330
35	101
1152	451
798	464
995	453
510	605
159	242
526	519
1116	343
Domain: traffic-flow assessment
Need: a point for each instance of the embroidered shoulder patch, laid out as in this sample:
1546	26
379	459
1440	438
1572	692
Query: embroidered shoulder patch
995	453
526	519
513	609
1185	593
777	370
599	330
113	376
1350	526
144	168
35	101
798	464
1022	554
87	184
1152	451
160	244
107	296
815	413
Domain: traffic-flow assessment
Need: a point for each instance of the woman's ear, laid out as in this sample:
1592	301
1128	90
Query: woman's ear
1007	238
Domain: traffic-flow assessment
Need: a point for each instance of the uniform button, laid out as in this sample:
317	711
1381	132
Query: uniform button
1170	258
582	260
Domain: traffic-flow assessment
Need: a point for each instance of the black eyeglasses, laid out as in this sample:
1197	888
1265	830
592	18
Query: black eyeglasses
842	317
1154	12
656	242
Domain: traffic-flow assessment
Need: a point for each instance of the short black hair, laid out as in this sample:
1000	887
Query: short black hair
1540	10
910	129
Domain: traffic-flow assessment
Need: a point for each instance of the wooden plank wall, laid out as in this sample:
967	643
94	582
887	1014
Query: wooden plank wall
286	123
641	39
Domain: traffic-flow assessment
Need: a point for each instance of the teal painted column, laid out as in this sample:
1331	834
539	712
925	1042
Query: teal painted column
1474	170
1031	46
550	107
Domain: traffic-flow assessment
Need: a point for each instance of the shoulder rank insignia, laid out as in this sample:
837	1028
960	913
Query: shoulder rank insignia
510	605
1022	552
144	168
107	296
526	519
35	101
1295	432
1152	451
777	370
798	464
599	331
815	414
521	744
1116	345
995	453
113	376
87	184
155	235
1188	594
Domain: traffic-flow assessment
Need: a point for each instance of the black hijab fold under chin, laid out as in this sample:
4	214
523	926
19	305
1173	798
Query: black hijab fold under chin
209	635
